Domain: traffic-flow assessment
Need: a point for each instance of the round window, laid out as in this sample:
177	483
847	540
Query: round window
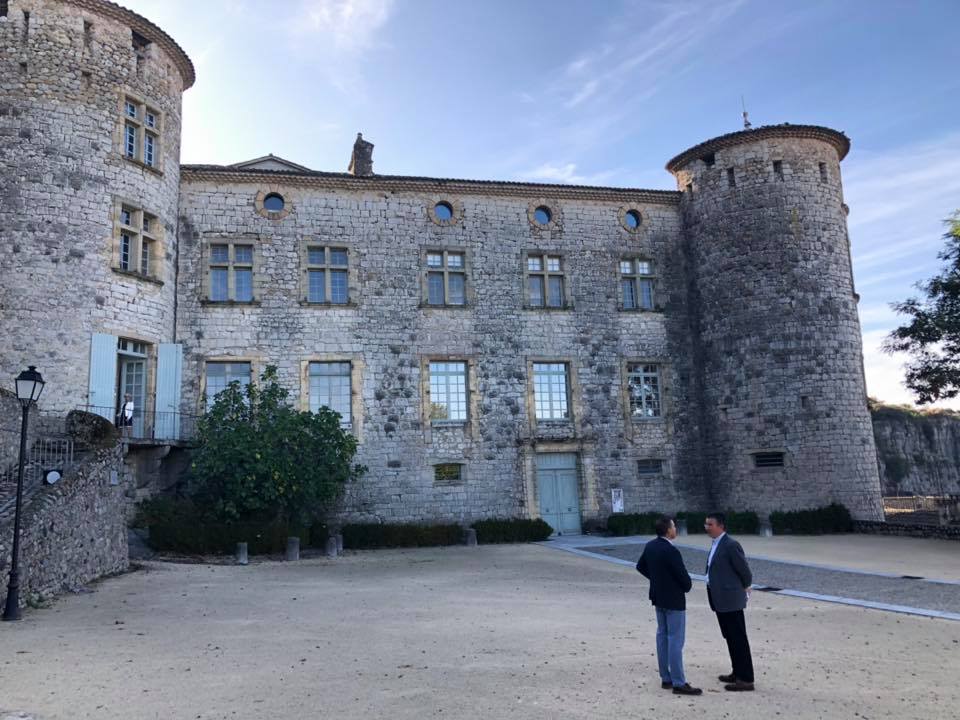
631	219
542	215
443	211
273	202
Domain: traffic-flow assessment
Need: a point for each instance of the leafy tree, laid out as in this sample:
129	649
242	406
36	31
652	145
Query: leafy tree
260	459
932	336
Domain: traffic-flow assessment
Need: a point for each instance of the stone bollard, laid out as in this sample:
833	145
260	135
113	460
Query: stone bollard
471	538
293	548
339	538
331	547
765	529
681	527
242	554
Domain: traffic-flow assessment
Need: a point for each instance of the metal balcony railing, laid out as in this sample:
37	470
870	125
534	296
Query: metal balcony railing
158	425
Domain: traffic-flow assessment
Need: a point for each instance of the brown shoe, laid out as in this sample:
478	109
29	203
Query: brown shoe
687	689
739	686
731	678
666	685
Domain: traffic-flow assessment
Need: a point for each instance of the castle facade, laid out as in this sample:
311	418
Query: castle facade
498	348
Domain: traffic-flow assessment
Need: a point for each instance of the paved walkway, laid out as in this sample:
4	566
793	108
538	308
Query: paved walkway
867	588
515	631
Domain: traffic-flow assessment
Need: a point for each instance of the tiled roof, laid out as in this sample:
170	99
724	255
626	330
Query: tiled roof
408	183
145	28
840	141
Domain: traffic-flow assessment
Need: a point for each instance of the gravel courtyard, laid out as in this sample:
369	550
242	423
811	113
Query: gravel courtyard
518	631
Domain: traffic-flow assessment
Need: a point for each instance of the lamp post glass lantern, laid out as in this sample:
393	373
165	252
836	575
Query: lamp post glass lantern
29	386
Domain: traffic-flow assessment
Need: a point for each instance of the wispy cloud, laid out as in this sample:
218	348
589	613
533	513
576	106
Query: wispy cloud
567	174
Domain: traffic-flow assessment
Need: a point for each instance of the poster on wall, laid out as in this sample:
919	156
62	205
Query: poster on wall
617	496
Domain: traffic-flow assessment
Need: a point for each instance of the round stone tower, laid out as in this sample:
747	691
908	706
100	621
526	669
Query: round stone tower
90	107
785	423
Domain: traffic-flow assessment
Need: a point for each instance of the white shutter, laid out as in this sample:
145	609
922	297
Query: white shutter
166	422
102	390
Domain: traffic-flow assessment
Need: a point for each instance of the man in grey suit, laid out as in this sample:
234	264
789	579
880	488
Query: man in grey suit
728	588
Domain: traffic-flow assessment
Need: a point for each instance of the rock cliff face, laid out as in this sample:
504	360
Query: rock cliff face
918	454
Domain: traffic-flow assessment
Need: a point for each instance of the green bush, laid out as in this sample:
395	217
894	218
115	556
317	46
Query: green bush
694	520
744	522
511	530
620	524
833	518
364	536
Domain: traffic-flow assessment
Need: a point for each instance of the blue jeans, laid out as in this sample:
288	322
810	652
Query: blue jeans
671	632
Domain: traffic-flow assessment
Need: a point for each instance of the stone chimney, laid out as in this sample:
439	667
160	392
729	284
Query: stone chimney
361	162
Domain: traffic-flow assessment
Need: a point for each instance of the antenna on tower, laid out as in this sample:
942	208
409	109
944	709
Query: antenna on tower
746	120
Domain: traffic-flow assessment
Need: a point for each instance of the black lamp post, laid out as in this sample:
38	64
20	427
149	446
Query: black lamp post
29	386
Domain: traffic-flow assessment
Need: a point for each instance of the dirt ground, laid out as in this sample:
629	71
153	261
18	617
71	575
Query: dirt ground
491	632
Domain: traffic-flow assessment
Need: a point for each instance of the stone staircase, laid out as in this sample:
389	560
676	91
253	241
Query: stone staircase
45	454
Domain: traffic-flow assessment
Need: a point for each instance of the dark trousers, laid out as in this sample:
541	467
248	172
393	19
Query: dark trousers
734	630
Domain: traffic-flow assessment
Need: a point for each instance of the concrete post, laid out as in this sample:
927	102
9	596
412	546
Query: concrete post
293	548
471	538
339	538
331	547
242	553
681	527
765	529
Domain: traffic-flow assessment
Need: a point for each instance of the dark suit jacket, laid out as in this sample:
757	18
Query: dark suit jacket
662	564
728	577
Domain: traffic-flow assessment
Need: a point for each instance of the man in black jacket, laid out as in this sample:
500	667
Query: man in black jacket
662	564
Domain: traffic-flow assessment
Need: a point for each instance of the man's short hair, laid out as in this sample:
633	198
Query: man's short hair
719	518
662	525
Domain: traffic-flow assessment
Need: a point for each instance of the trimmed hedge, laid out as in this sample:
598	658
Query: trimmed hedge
365	536
738	523
834	518
511	530
220	539
621	524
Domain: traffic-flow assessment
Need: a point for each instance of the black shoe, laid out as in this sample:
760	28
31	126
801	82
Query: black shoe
666	685
731	678
688	689
738	686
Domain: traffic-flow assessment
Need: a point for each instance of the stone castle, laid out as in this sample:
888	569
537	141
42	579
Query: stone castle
498	348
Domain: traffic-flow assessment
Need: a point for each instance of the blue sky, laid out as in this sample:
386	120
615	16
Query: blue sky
596	92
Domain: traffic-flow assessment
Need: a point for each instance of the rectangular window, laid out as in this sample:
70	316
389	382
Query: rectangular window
731	177
644	385
141	132
636	284
448	474
328	280
768	459
231	272
778	169
448	391
138	236
221	374
330	387
648	467
550	396
823	172
446	278
545	281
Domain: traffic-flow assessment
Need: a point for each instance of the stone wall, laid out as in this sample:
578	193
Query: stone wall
780	347
917	453
71	533
389	334
941	532
65	71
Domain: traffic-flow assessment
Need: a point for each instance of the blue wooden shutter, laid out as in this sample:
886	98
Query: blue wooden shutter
166	422
102	390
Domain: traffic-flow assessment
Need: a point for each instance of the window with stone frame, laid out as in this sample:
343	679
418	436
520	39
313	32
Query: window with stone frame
636	284
327	277
448	474
544	274
448	392
446	277
142	128
643	381
221	374
551	391
231	271
330	386
138	235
